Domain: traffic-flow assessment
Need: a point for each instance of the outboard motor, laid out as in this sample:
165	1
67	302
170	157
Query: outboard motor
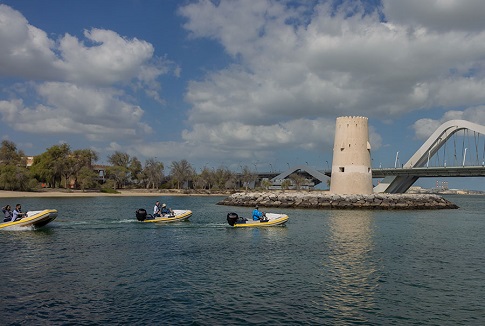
232	218
141	214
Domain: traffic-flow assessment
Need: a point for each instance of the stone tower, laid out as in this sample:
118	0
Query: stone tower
351	166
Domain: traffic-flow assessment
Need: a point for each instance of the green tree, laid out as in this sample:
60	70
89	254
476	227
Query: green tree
10	155
119	174
286	184
51	165
206	178
13	173
136	170
265	184
14	177
153	173
86	178
298	180
247	176
181	172
83	158
119	159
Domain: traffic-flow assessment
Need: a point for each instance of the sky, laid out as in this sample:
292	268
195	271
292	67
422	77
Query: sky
229	83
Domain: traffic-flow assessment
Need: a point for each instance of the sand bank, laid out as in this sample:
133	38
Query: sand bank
79	193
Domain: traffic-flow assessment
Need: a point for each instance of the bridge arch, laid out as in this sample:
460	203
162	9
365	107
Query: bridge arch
399	184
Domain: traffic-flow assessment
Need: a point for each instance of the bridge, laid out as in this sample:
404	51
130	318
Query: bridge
400	183
400	179
468	171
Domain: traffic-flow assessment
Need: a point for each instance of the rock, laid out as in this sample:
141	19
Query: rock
325	200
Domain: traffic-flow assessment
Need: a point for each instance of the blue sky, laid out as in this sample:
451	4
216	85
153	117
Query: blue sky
233	83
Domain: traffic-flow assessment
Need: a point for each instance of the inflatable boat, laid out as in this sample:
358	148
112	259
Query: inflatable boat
36	219
271	219
178	215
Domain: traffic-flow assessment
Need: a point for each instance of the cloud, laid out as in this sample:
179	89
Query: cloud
335	61
438	15
80	86
97	114
423	128
26	51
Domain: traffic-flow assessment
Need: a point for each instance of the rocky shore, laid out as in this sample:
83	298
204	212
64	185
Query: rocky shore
321	200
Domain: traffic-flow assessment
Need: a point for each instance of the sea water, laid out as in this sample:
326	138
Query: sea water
95	264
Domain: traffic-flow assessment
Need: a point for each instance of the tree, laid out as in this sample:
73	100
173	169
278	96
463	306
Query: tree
153	173
10	155
51	165
13	173
181	172
119	159
247	176
265	184
223	178
86	178
286	184
298	180
206	178
119	174
136	169
13	177
82	158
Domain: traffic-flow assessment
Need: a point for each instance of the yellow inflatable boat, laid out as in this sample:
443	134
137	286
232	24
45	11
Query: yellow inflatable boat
271	219
36	219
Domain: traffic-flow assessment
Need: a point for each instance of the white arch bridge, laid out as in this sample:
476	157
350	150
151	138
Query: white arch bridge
398	180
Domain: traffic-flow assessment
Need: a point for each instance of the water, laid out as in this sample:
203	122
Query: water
96	265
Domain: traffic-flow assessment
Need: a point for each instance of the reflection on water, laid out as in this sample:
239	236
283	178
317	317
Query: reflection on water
352	276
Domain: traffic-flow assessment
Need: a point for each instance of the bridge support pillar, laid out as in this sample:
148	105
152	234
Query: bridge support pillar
351	166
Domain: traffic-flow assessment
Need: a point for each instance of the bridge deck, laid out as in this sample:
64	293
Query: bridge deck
461	171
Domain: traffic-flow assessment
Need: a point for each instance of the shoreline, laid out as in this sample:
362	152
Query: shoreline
78	193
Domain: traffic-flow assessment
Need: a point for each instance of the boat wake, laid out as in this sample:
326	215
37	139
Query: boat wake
17	228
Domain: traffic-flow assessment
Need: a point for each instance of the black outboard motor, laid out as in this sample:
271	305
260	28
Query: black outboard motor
141	214
232	218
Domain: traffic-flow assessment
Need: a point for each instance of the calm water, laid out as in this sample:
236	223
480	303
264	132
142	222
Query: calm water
96	265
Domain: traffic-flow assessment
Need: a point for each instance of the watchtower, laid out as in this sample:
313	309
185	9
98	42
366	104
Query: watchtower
351	165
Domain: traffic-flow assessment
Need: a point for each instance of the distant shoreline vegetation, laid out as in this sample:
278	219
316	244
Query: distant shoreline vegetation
60	167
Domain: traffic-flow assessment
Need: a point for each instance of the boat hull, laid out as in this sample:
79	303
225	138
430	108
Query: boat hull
273	220
35	219
179	215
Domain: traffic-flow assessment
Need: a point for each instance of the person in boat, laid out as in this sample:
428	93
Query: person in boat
165	210
17	213
258	215
157	210
7	212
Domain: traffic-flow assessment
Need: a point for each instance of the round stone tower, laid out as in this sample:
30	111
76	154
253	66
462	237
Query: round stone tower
351	166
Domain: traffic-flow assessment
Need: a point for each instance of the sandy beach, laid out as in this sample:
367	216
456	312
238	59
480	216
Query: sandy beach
79	193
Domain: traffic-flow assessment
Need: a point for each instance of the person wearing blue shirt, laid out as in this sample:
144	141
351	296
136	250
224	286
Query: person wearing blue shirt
165	210
257	214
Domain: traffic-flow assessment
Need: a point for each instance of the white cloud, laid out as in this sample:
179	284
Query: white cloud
334	65
439	15
25	50
303	133
423	128
76	86
97	114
